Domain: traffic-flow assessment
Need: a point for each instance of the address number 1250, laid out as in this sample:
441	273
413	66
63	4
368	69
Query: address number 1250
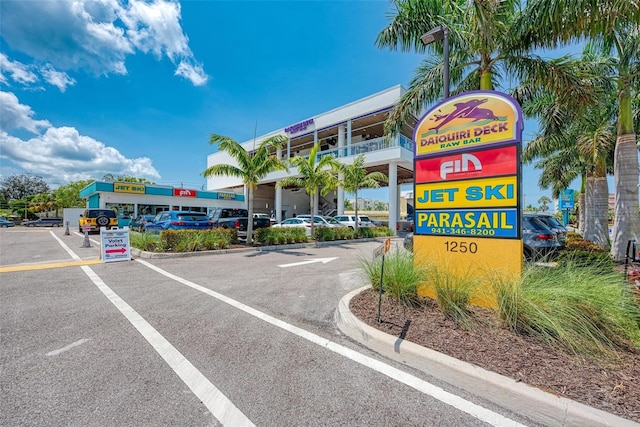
462	247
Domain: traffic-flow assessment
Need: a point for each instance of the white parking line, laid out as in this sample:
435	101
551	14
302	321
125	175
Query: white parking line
69	347
217	403
425	387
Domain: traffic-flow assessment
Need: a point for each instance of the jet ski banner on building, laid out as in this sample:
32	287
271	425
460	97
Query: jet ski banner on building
467	187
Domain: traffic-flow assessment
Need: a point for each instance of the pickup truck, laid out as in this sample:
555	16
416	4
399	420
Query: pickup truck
236	218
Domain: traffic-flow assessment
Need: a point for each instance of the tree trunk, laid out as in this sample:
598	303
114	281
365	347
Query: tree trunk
587	210
581	218
626	225
601	212
312	206
249	214
356	211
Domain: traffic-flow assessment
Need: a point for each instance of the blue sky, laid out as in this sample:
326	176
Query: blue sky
136	88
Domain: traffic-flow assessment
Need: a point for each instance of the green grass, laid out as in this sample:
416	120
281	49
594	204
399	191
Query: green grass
144	241
580	308
401	277
453	293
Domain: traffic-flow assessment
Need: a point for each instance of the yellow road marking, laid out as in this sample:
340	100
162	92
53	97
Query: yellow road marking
28	267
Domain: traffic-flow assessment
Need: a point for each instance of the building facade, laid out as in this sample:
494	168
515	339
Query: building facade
130	199
344	132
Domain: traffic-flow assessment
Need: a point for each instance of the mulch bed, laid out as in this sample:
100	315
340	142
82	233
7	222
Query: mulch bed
611	385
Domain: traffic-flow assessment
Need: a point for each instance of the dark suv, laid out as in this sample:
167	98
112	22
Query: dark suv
555	226
540	242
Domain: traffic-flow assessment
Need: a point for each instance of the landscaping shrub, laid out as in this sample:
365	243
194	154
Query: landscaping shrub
401	277
578	307
184	240
279	236
583	253
144	241
453	293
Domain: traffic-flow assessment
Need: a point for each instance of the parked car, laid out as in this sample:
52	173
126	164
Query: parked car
408	242
350	221
322	221
97	218
178	220
237	218
539	241
334	222
377	222
297	222
264	215
4	223
138	222
555	226
43	222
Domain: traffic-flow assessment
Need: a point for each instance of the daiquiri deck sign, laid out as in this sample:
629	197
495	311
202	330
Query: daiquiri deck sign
467	192
470	120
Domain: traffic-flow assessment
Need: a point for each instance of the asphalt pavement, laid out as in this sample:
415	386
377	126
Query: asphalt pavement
245	337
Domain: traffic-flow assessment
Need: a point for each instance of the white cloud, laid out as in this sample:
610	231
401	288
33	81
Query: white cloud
58	79
192	72
17	71
61	154
14	115
97	36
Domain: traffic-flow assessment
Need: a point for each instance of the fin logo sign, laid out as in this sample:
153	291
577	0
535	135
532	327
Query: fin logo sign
466	121
466	163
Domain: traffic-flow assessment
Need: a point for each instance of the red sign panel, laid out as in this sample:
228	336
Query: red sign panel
473	164
183	192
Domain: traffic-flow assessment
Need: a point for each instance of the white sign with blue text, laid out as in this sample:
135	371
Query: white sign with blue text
114	245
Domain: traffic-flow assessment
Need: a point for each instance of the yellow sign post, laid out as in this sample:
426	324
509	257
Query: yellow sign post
467	194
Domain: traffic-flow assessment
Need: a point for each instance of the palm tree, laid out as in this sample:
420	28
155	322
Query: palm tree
544	203
576	142
316	174
615	26
483	50
251	167
44	202
355	177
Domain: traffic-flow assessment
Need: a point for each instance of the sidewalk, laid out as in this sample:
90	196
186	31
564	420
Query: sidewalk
533	403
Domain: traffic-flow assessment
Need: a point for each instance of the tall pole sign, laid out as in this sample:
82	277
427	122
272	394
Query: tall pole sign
467	191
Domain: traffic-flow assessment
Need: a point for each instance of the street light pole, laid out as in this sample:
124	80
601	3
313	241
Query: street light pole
440	32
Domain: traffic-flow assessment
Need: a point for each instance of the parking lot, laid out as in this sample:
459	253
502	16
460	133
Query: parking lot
243	338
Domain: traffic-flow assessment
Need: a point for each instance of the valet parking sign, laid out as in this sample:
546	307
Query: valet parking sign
467	188
115	245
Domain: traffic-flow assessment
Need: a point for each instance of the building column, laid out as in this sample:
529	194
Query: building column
349	137
394	201
278	195
340	192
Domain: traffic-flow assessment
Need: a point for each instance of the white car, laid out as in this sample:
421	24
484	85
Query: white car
296	222
322	221
350	221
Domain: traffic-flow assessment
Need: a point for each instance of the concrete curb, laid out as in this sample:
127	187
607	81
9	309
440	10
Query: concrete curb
531	402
